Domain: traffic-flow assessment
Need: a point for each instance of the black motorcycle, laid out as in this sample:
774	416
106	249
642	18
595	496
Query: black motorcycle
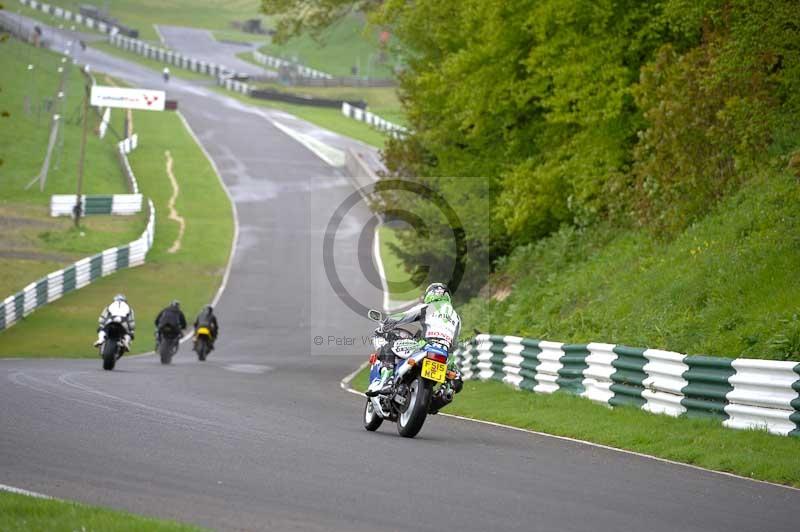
114	345
168	343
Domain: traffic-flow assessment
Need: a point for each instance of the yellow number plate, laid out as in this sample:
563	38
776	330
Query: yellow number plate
435	371
203	330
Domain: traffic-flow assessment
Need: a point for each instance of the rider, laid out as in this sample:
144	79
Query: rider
206	318
118	308
165	73
171	316
440	323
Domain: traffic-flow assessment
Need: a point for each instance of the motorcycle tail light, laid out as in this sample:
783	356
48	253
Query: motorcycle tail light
373	358
438	358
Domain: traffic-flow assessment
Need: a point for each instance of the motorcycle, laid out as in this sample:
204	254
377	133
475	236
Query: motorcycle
113	346
202	342
168	343
421	383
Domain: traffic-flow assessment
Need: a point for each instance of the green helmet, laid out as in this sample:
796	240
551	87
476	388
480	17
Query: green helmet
436	292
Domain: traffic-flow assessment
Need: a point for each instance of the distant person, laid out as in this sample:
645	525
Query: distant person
117	310
206	318
170	318
166	74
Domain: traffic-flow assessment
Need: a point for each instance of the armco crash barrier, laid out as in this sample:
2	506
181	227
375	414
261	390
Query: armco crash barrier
77	275
742	393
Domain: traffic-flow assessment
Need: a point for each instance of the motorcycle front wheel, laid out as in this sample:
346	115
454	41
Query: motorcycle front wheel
371	418
411	419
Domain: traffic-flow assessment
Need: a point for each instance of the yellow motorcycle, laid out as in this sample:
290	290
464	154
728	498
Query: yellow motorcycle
202	342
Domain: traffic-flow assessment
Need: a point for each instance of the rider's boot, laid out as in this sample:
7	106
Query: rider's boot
101	337
382	385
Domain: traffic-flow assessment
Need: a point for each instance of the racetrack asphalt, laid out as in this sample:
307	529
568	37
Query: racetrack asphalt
261	437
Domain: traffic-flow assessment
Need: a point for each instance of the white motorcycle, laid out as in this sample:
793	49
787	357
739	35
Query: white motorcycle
421	383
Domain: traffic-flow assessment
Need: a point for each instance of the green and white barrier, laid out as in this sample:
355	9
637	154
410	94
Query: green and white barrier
233	85
69	16
169	57
77	275
742	393
120	204
373	120
276	63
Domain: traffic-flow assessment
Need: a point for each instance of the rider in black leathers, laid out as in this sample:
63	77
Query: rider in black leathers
206	318
172	316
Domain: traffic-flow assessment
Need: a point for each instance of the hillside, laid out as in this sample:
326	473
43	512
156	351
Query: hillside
726	286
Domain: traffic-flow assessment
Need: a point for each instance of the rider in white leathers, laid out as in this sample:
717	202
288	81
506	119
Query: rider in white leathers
440	323
118	308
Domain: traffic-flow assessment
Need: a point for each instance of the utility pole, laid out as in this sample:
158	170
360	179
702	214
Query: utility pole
77	209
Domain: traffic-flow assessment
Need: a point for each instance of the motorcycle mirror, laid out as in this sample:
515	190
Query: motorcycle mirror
375	315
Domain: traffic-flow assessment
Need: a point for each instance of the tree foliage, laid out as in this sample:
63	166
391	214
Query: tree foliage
576	111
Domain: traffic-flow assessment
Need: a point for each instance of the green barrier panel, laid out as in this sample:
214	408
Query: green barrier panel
123	255
530	363
570	375
41	292
629	376
708	386
796	404
19	304
98	204
69	279
96	267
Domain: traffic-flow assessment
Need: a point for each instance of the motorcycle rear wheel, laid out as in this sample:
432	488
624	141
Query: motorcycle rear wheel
109	355
165	351
202	348
410	421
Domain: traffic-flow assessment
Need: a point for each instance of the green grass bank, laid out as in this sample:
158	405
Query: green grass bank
23	513
346	44
727	286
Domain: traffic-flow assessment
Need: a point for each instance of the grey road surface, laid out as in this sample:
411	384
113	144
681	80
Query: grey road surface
261	437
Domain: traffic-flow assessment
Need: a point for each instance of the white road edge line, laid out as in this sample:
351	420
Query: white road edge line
235	240
160	36
345	385
20	491
376	252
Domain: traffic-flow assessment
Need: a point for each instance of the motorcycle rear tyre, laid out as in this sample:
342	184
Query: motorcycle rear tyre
109	355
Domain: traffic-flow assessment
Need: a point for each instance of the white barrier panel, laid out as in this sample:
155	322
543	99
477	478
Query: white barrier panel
664	382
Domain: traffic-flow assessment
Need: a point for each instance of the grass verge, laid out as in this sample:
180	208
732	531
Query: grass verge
331	119
382	101
66	327
401	288
727	286
346	44
32	243
143	14
24	513
705	443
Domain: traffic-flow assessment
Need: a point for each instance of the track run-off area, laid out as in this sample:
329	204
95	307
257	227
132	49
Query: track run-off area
262	437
